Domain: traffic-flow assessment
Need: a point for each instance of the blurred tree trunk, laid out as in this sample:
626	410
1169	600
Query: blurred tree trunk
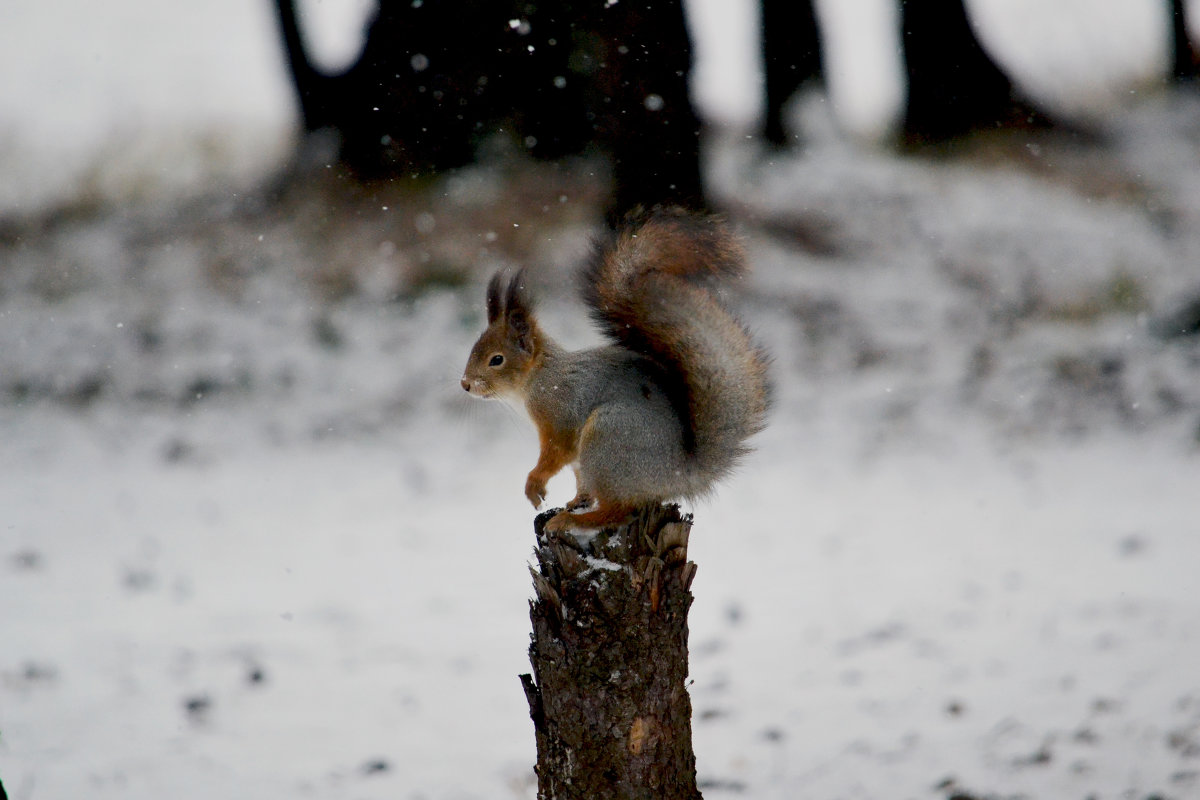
954	86
1186	65
791	50
418	94
640	102
312	87
608	694
434	79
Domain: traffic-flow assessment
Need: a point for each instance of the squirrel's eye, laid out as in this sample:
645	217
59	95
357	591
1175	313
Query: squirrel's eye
496	361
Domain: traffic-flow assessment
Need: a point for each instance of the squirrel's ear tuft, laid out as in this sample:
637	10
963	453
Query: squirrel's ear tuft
518	312
495	306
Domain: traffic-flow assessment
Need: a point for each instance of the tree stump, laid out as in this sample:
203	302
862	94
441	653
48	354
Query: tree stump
608	693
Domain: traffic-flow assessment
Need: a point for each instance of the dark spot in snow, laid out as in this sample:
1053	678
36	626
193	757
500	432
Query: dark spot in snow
1131	546
721	785
84	392
773	735
27	560
327	334
199	389
20	392
1184	320
1170	401
869	355
1037	758
255	676
197	706
177	451
954	708
148	339
138	580
34	673
981	364
375	766
876	637
1184	742
1185	776
1095	373
953	791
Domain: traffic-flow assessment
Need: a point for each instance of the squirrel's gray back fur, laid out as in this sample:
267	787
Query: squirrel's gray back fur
653	292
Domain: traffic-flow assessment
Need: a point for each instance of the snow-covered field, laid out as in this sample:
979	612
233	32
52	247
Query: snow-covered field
255	541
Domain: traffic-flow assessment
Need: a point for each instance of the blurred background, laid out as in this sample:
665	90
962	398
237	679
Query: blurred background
253	542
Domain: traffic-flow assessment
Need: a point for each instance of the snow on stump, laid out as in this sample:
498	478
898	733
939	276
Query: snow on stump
608	693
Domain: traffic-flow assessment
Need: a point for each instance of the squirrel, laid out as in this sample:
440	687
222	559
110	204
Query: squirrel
664	411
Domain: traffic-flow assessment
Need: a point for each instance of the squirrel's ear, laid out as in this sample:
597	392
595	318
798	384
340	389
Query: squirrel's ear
494	304
518	312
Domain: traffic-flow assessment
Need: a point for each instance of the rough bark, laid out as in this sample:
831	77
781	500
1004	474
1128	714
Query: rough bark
608	693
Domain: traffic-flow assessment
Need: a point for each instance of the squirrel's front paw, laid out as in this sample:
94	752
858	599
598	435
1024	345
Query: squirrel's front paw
561	522
535	490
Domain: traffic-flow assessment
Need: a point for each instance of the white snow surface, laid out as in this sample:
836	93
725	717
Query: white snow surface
256	542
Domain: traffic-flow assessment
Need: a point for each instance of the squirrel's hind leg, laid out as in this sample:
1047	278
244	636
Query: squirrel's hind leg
582	499
580	502
602	516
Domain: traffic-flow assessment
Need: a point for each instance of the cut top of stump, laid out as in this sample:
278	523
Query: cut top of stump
655	538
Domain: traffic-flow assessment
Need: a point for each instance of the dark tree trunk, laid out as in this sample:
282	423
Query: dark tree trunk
312	87
954	86
639	102
418	94
435	78
608	693
1186	64
791	49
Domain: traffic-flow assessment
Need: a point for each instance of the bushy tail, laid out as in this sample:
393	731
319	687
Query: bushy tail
653	291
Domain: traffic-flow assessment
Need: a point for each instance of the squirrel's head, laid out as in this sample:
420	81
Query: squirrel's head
505	353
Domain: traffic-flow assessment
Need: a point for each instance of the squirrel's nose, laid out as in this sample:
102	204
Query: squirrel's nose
466	384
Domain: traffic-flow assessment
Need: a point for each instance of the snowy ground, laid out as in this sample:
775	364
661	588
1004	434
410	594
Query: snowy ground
254	542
